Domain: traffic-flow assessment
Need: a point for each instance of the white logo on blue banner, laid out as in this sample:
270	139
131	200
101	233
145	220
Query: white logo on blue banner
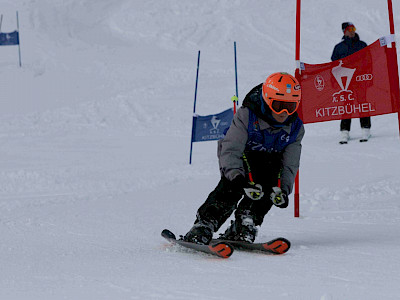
211	127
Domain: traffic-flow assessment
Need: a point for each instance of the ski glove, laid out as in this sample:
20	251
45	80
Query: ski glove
254	191
279	198
239	184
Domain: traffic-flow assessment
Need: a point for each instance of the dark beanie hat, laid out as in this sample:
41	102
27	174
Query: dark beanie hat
345	25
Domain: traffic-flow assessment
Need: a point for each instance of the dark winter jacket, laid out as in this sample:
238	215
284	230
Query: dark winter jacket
347	47
283	140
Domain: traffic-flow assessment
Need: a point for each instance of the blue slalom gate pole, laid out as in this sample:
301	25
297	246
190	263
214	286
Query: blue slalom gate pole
19	42
194	109
236	78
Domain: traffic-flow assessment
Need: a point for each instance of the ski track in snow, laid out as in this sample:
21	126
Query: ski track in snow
95	131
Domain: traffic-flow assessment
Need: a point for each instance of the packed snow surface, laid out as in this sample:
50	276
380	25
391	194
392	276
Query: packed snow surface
95	134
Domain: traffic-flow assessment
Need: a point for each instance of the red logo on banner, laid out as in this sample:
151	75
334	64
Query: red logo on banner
356	86
319	82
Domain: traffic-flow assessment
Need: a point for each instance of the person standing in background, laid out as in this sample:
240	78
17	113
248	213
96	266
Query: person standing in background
350	44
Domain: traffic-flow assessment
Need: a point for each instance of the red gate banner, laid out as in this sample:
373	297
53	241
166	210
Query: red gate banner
360	85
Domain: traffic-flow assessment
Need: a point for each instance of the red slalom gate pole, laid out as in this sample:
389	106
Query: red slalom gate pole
297	57
296	197
298	13
391	24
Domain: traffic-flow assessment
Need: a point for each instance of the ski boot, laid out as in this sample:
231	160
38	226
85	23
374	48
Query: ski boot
201	233
344	137
242	229
366	134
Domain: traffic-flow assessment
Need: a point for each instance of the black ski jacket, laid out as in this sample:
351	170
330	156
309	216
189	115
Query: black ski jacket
347	47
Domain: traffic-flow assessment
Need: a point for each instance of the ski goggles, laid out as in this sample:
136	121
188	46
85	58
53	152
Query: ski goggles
350	28
279	106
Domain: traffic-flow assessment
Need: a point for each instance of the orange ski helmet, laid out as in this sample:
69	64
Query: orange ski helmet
282	92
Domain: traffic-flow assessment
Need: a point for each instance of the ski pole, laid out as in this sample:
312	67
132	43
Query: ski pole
248	169
234	99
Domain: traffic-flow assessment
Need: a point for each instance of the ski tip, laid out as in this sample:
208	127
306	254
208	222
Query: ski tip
168	234
278	245
283	240
221	249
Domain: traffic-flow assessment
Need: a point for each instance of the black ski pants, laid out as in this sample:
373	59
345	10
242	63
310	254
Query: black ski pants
222	201
364	122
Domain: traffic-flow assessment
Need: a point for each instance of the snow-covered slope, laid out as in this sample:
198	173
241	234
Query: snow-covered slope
95	131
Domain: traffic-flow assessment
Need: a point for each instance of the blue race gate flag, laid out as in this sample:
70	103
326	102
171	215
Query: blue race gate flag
9	39
212	127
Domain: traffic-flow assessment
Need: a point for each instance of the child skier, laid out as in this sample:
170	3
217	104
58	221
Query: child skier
262	144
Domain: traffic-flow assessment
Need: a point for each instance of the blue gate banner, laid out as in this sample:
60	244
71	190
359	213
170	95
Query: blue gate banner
212	127
9	39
